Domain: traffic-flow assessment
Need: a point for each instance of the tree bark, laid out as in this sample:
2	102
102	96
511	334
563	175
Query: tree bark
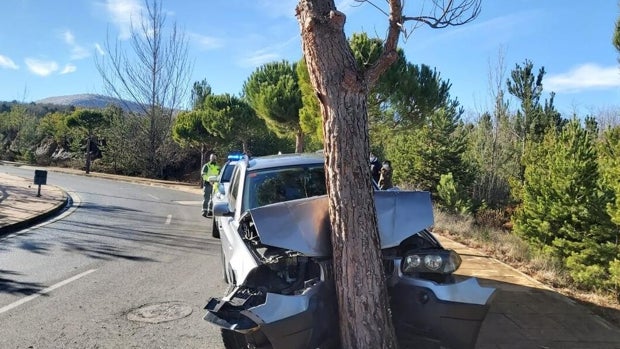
88	140
299	141
365	321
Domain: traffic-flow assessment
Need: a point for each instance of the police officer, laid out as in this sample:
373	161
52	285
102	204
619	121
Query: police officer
209	169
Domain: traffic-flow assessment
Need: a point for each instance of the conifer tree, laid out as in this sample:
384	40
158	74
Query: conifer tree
563	209
420	156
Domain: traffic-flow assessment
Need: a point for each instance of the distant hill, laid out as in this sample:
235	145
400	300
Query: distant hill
90	101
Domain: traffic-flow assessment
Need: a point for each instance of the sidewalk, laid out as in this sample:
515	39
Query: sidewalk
527	314
524	313
20	207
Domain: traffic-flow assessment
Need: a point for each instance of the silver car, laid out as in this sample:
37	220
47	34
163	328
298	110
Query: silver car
276	256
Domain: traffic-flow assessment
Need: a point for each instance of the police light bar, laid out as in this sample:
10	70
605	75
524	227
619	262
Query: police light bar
235	156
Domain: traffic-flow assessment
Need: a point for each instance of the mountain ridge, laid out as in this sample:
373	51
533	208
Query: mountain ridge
90	100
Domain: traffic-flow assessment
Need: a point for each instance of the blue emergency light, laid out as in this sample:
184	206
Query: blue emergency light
235	156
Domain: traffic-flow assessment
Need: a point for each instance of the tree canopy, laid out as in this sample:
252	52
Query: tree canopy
273	92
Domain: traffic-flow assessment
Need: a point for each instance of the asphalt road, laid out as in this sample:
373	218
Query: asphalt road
127	266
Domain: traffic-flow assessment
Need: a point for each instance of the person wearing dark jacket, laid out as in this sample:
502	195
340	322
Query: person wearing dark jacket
375	167
385	179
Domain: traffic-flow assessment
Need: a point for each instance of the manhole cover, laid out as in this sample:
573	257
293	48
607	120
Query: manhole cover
160	312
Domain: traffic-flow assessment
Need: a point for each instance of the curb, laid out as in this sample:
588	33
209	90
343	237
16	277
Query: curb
29	222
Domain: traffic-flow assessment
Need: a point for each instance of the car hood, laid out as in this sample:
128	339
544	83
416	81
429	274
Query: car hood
303	225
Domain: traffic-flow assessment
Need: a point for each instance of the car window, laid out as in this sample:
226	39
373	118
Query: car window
227	172
268	186
234	186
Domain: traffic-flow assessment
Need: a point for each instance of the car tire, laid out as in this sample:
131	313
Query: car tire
215	230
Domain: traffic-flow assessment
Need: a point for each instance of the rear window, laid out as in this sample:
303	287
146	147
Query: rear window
268	186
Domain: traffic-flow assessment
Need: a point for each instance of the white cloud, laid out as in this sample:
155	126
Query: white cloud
77	51
100	50
584	77
69	68
6	62
206	42
259	58
122	12
267	54
41	68
68	37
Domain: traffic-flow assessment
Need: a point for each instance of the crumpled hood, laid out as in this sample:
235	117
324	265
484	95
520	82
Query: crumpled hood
303	225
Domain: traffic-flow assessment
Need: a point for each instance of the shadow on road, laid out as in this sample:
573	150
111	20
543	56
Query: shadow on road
9	284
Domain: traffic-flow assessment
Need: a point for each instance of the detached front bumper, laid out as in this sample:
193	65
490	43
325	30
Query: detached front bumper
307	320
428	314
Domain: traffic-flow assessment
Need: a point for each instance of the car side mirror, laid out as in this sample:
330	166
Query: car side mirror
221	209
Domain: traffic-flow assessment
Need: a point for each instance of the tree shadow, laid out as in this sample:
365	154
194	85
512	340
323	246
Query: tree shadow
159	202
9	284
105	208
106	236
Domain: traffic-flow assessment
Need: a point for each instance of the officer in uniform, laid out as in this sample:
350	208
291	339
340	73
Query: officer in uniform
209	169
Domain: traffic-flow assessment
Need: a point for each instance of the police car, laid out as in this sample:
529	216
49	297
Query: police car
221	183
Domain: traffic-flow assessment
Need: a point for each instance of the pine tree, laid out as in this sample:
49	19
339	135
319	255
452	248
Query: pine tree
561	199
419	157
563	209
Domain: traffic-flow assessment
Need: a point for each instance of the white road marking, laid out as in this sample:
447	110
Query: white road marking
47	290
168	219
153	196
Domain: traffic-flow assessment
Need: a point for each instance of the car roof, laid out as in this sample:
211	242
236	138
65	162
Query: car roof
285	160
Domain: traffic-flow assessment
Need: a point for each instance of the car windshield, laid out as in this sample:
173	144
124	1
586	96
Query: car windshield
268	186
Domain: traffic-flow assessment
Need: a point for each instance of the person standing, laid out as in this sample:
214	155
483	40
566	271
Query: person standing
375	167
385	180
209	169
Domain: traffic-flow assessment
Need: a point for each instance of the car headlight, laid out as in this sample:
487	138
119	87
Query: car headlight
431	261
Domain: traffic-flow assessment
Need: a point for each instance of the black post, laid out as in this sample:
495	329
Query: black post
40	177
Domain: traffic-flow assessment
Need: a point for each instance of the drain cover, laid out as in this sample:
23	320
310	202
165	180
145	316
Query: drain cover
160	312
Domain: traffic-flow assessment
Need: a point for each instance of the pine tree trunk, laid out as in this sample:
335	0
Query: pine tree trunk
361	291
299	141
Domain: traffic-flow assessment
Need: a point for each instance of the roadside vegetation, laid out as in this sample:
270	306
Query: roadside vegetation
532	187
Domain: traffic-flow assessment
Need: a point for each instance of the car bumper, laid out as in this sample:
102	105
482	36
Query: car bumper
426	313
307	320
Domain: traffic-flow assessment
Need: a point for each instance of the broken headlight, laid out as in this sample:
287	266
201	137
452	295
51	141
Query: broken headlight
431	261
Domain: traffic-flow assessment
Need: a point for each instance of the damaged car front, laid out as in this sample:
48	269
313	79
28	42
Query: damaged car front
283	293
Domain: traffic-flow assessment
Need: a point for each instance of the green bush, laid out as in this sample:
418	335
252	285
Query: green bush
452	197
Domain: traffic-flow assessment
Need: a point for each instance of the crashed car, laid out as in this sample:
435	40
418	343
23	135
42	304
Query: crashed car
276	256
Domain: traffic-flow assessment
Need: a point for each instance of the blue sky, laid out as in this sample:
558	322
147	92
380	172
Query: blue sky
48	48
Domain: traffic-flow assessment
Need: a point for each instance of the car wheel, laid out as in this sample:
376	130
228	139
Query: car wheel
215	230
236	340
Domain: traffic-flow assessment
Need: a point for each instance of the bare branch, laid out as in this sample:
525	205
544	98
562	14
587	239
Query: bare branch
449	13
443	13
389	54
